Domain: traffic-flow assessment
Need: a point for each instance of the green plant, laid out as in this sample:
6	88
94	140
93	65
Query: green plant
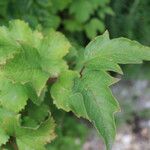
30	61
76	18
73	138
130	16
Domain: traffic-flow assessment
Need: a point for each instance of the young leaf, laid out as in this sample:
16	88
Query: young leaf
89	95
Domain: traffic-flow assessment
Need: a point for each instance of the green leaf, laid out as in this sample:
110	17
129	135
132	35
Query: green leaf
38	113
27	121
28	60
81	9
60	5
88	95
3	5
8	48
21	32
3	137
119	50
12	96
8	121
72	25
51	21
26	137
93	27
53	48
35	138
63	95
26	68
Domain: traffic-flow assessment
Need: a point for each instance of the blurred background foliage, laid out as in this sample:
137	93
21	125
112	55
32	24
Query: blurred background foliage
81	21
131	20
76	18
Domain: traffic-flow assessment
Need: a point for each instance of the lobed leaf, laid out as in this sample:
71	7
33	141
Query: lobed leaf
26	137
28	60
88	95
52	50
120	50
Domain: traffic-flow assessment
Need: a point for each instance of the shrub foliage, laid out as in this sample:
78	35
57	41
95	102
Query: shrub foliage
29	61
